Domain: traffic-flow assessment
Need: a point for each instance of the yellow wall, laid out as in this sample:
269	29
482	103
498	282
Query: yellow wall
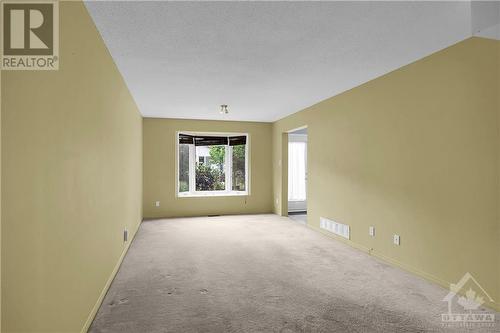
160	170
414	153
71	181
498	157
0	203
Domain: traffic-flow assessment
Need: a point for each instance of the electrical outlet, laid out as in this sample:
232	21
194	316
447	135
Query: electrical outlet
371	231
157	204
125	235
396	240
277	201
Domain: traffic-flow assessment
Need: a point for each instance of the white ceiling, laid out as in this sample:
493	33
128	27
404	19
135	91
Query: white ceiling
265	60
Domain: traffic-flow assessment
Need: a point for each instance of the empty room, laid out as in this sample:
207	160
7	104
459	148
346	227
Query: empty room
240	166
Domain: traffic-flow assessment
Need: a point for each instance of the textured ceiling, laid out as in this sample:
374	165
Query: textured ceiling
265	60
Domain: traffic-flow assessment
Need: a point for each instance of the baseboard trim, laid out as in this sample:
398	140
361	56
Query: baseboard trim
429	277
104	291
153	218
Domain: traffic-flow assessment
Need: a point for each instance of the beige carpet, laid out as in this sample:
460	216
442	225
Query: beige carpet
261	273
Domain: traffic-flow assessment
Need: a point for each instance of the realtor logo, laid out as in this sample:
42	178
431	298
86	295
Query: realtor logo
30	35
466	297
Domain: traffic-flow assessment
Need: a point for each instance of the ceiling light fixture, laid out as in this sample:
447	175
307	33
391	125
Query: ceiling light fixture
223	109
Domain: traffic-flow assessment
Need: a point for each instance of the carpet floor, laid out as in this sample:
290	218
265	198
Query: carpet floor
261	273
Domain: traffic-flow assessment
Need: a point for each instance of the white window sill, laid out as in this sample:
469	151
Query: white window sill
211	194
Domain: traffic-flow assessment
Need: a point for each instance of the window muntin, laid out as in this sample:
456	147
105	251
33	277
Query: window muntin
217	164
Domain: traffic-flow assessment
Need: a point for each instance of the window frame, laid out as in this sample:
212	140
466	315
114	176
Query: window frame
228	167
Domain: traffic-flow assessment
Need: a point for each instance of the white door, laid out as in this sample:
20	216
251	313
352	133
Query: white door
297	173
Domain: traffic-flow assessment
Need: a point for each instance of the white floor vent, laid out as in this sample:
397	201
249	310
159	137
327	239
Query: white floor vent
340	229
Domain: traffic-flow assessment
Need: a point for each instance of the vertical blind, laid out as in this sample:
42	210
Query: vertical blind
297	171
208	140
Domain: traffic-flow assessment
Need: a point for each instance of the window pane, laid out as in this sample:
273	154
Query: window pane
210	166
183	167
238	176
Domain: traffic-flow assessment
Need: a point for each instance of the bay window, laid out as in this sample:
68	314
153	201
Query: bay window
212	164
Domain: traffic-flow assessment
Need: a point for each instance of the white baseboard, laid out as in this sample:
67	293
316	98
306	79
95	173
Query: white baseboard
427	276
97	305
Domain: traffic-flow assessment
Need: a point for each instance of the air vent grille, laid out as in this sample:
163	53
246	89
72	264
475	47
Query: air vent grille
340	229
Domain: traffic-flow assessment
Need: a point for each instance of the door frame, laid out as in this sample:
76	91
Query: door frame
299	205
284	169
